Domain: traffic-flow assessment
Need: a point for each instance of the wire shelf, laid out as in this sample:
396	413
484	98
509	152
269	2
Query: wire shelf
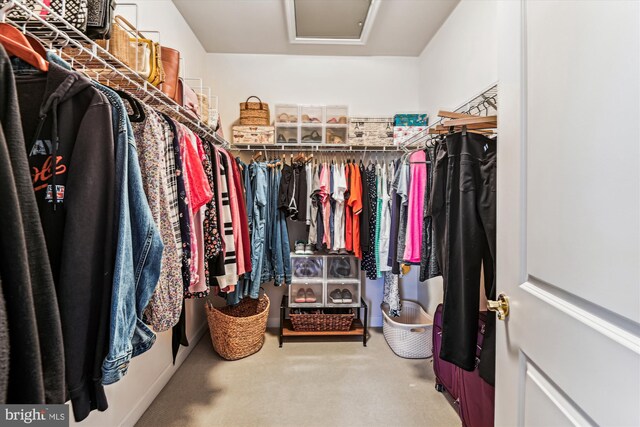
87	57
485	103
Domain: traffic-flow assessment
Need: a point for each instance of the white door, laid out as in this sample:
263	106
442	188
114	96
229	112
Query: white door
568	245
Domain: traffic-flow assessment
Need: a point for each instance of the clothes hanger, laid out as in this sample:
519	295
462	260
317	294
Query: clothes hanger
138	115
16	44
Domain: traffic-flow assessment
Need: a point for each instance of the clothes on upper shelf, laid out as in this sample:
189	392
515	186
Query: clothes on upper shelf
112	215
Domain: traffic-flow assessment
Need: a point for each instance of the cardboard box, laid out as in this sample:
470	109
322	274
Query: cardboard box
410	120
403	133
370	131
260	135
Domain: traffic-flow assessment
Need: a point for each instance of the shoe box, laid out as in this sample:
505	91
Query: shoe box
325	281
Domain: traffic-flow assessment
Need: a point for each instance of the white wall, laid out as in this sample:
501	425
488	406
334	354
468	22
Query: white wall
148	373
370	86
459	62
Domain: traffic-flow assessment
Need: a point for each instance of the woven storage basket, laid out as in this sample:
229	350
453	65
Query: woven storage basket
254	113
238	331
409	335
321	322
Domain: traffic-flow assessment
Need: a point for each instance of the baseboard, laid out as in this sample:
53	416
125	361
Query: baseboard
152	392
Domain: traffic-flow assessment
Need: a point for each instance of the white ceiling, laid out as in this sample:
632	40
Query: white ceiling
401	27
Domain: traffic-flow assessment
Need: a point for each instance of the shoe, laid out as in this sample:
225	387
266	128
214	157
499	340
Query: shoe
308	249
315	136
343	251
306	119
311	297
336	296
283	118
281	139
299	248
342	120
332	120
347	298
301	296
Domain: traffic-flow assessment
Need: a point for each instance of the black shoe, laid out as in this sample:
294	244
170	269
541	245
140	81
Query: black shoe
347	298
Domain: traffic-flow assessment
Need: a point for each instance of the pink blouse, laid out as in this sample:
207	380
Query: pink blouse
417	187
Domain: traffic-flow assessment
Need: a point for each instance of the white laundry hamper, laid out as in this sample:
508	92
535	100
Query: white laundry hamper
410	334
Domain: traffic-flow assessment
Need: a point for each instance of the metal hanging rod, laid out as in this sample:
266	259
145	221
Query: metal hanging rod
323	148
85	56
481	104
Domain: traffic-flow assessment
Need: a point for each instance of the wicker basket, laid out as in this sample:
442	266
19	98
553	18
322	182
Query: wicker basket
409	335
254	113
238	331
321	322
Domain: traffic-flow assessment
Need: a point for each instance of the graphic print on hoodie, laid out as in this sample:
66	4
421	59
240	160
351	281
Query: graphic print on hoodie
69	140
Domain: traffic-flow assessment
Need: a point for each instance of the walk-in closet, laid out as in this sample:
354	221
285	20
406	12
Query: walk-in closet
317	213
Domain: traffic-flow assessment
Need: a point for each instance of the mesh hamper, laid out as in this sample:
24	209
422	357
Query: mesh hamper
238	331
409	335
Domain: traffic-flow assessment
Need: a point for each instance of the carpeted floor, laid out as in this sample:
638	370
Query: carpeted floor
305	383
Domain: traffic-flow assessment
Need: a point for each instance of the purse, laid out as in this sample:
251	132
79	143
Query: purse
99	17
189	100
254	113
171	66
138	52
75	11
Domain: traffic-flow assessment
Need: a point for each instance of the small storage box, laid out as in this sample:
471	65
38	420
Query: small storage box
311	134
286	114
337	114
410	120
343	294
307	268
342	268
336	134
371	130
410	335
299	295
402	134
287	134
260	135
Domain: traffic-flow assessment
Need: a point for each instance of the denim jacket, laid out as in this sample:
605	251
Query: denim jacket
138	250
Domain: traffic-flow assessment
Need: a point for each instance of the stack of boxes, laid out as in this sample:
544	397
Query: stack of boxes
405	126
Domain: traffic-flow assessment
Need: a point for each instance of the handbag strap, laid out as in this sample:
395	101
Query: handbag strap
128	26
253	96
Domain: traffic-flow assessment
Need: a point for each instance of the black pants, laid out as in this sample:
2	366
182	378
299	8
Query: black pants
465	228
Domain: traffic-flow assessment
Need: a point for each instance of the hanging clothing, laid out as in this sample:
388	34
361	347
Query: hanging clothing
348	210
314	206
415	208
71	148
402	186
230	276
429	267
325	196
385	219
392	260
469	202
308	168
339	219
31	300
258	172
369	257
356	204
392	294
378	217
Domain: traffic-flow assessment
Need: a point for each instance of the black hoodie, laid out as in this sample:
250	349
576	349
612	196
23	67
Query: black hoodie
73	182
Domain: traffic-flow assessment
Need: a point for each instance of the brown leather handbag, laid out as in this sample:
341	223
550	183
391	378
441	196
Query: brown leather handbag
171	64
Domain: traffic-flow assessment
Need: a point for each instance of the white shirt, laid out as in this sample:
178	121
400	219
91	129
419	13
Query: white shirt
340	186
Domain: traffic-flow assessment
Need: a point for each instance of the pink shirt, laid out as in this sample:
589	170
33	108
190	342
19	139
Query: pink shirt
413	245
235	213
325	193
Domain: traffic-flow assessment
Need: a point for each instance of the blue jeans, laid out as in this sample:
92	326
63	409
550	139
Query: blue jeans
259	186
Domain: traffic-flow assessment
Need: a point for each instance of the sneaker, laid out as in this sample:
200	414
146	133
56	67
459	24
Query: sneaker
301	296
336	296
347	298
343	251
299	247
307	250
311	297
